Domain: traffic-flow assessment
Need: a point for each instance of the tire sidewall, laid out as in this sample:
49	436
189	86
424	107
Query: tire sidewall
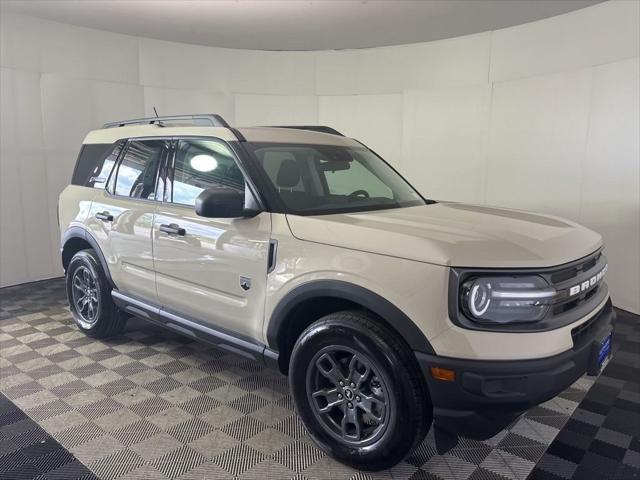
86	259
388	365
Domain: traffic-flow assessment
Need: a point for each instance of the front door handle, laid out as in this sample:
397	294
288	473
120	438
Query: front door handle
104	216
173	229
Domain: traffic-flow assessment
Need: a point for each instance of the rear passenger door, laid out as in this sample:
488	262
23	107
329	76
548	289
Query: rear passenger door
214	270
121	217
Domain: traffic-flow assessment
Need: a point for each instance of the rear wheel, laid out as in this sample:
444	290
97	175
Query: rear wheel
358	390
89	295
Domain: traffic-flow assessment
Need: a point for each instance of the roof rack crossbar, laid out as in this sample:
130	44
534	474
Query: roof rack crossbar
212	118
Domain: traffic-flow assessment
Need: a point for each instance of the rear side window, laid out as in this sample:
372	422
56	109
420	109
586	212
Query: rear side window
95	163
137	172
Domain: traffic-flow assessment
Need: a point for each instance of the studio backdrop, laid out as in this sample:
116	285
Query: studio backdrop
542	116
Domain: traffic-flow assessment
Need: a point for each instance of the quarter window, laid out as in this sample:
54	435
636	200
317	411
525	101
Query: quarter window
95	163
203	164
138	169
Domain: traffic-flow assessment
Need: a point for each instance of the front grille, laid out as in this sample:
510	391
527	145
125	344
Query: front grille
573	271
575	275
571	304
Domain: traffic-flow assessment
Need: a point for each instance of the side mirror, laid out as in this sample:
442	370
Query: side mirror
222	203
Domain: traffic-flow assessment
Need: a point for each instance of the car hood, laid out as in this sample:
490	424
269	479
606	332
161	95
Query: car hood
453	234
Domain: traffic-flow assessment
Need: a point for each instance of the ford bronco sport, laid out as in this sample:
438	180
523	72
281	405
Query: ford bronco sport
303	249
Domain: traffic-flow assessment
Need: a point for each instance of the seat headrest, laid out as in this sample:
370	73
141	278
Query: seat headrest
288	173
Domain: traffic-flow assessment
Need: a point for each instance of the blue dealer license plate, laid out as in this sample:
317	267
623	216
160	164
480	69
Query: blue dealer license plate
604	354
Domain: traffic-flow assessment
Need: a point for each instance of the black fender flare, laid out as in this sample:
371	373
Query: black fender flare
83	234
395	317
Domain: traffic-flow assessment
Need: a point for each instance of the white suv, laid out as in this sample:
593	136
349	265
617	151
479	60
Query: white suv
301	248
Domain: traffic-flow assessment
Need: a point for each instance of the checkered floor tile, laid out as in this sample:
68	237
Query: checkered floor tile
153	405
602	437
27	451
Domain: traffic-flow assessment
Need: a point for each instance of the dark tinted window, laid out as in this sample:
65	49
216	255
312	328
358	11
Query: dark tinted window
203	164
95	163
137	172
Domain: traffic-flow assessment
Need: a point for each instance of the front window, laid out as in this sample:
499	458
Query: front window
202	164
321	179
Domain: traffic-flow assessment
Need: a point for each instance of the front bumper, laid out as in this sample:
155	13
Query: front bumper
488	395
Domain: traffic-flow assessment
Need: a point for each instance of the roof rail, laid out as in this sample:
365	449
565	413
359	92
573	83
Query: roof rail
211	119
313	128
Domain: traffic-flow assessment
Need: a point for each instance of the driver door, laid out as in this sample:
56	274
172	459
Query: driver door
210	270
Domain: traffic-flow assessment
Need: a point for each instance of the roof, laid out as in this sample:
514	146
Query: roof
251	134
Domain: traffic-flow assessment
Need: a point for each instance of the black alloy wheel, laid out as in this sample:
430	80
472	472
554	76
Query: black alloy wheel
358	389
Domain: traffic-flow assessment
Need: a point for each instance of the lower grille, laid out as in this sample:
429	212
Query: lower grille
583	330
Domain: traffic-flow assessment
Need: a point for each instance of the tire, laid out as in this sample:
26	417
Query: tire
384	398
85	279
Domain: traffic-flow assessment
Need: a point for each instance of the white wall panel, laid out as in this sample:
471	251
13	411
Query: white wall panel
21	122
337	72
448	63
14	125
13	254
537	138
590	36
277	73
65	50
445	136
113	57
611	175
175	65
383	70
73	106
375	120
67	113
172	101
115	101
20	42
542	116
442	64
254	110
25	235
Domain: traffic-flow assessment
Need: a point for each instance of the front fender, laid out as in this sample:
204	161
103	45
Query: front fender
354	293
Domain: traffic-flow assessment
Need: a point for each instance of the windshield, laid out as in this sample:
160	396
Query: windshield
321	179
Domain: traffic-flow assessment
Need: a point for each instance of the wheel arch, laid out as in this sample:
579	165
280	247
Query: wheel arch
316	299
76	239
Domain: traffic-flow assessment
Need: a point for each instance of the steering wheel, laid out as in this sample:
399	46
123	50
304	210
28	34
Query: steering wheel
358	193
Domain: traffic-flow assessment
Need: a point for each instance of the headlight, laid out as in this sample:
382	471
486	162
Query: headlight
506	299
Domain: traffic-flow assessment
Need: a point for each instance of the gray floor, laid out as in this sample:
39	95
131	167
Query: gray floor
149	404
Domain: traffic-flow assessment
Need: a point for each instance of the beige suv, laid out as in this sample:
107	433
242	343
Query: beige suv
301	248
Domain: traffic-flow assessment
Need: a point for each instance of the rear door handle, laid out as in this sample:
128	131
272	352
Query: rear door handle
173	229
104	216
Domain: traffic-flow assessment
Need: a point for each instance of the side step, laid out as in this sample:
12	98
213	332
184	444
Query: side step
194	329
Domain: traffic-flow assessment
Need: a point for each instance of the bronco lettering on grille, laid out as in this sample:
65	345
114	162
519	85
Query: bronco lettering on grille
581	287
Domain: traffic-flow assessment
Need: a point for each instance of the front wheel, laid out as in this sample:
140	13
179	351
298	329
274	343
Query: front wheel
358	390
